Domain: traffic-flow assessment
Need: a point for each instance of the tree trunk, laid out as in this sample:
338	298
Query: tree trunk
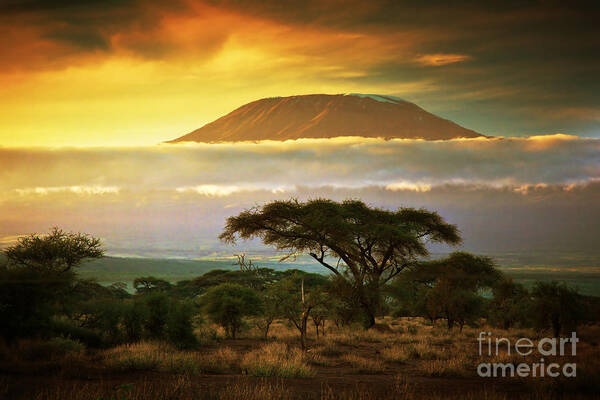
370	322
370	304
267	326
450	323
303	329
556	328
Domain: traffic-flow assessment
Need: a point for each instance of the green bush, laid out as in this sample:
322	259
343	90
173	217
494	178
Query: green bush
29	299
134	315
65	328
51	349
180	329
155	323
228	303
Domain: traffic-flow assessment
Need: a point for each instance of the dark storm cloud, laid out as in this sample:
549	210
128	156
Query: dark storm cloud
529	67
501	68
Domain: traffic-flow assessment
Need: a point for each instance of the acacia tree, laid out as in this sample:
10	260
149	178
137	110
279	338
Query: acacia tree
57	251
37	280
365	245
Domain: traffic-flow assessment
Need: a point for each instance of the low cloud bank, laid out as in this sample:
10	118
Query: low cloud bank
347	162
505	194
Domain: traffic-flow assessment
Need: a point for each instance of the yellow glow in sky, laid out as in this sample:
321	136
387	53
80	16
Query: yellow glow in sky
211	63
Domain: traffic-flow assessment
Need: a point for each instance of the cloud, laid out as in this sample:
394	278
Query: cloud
79	190
227	190
223	169
438	60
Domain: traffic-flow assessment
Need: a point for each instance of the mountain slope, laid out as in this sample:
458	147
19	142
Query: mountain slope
327	116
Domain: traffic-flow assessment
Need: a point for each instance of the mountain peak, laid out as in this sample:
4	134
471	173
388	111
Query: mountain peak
378	97
327	116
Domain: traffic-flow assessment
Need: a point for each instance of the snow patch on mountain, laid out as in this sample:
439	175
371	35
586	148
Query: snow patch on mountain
378	97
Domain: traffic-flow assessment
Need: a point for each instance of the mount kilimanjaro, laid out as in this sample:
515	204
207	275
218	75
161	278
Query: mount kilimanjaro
327	116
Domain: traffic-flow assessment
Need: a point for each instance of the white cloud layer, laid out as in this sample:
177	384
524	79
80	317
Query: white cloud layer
538	192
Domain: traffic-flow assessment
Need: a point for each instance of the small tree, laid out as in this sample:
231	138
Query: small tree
557	306
227	304
296	301
270	310
510	305
319	315
452	286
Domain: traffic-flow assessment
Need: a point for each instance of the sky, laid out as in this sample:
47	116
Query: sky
130	72
90	89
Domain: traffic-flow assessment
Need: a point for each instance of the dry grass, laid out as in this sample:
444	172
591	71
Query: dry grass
251	368
153	356
414	351
455	367
277	359
179	388
184	388
364	365
329	349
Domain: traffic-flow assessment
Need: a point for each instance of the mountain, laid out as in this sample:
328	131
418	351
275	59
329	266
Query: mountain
327	116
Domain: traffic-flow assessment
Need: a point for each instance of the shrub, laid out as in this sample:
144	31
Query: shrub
65	328
179	329
104	316
134	315
227	304
157	305
51	349
206	335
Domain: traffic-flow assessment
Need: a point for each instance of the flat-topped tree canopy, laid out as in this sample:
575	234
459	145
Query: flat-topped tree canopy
57	251
372	244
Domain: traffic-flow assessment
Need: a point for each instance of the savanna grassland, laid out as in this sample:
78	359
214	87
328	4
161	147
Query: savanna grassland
400	358
386	322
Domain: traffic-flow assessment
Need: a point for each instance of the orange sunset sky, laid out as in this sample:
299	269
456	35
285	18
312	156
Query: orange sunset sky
141	72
